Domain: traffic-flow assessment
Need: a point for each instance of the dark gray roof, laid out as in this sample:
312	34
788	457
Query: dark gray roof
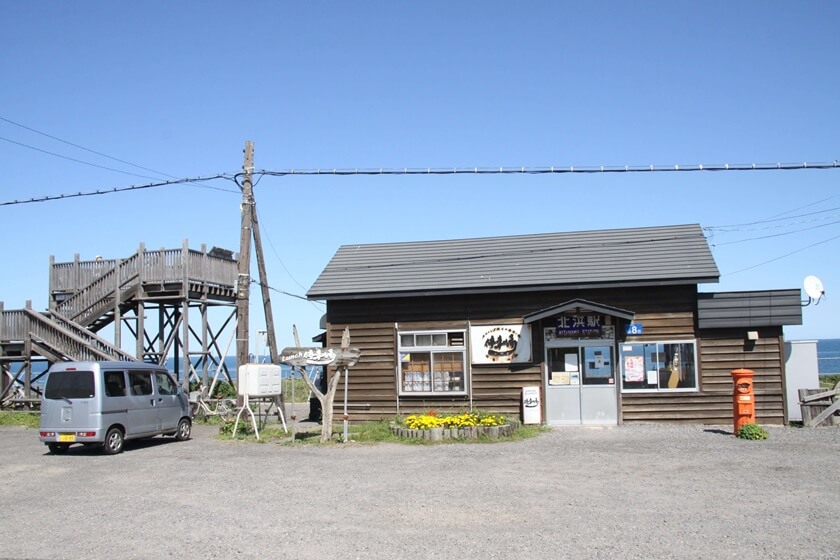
620	257
767	308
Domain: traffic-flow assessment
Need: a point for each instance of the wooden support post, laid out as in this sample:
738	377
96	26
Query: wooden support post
266	294
117	302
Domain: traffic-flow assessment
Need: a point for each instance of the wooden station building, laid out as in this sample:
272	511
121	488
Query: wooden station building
609	325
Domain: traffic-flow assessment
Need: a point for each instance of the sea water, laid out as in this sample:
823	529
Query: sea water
828	356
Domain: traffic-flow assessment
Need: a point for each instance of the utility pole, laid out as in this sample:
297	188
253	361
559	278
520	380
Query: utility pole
243	281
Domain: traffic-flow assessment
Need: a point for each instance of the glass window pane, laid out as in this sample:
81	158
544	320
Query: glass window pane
70	385
165	384
416	371
423	339
659	366
679	372
449	371
115	384
439	339
140	383
406	340
597	365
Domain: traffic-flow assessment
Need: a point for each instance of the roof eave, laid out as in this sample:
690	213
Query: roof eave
511	289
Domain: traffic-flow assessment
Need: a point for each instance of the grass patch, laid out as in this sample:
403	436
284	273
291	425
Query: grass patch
24	419
829	381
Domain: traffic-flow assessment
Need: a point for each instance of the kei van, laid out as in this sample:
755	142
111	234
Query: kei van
107	403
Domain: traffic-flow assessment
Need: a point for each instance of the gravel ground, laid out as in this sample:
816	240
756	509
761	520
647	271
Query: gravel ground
635	491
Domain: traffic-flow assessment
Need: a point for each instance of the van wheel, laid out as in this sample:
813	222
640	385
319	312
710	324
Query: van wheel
184	429
58	448
113	442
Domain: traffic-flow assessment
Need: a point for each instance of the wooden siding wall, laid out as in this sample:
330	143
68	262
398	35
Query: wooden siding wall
727	349
718	353
666	312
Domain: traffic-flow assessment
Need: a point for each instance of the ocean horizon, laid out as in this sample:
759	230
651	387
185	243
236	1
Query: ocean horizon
828	356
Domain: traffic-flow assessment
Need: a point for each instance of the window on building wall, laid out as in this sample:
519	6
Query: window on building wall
432	363
659	366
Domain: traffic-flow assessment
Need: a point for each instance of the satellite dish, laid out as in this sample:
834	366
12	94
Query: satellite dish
814	288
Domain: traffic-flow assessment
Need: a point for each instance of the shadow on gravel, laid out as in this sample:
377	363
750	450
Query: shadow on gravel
129	446
718	431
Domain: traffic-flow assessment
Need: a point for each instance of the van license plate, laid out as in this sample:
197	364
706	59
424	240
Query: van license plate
67	437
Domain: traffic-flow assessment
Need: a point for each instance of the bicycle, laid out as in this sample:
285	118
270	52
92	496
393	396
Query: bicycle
201	406
14	398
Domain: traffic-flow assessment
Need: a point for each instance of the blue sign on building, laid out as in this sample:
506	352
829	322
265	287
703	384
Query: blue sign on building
634	328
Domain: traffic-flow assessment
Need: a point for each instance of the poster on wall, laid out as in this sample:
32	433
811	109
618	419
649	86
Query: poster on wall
634	369
501	344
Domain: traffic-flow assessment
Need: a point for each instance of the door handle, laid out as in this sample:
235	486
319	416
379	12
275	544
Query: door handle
152	401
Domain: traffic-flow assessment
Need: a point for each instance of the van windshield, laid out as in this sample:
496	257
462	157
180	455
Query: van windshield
70	385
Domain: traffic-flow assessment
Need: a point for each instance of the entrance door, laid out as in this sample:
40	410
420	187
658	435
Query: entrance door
580	383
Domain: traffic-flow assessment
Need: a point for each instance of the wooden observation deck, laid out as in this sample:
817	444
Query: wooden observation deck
157	302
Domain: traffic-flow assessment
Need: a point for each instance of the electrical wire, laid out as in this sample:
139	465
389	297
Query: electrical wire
276	254
77	160
556	170
121	189
744	226
86	149
783	256
773	235
304	298
439	171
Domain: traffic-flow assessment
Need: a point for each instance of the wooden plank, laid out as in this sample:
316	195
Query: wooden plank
825	414
817	396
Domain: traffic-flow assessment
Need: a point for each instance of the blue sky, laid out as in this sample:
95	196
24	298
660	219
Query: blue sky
178	87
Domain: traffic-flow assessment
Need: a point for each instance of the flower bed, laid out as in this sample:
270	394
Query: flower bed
467	425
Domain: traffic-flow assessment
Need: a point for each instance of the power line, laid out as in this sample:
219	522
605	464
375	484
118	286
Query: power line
744	226
227	176
556	170
783	256
304	298
773	235
76	160
86	149
441	171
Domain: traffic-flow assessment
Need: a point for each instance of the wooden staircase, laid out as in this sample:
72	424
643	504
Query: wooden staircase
86	296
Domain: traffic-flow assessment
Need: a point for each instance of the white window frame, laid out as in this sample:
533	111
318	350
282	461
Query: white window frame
658	389
433	349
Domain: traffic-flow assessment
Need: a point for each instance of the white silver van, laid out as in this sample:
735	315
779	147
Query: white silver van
106	403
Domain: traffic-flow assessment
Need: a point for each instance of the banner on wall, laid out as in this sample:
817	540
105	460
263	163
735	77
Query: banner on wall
500	344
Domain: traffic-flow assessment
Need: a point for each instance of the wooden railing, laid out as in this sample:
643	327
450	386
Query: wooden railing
159	266
89	303
64	331
82	292
59	335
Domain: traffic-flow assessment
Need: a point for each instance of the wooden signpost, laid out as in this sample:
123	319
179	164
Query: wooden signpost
341	358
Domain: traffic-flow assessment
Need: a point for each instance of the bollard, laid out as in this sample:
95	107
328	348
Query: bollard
743	399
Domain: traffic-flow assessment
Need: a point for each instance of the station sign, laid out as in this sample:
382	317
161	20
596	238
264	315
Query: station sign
303	356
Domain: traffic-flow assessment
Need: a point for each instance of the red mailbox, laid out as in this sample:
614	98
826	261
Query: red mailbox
743	399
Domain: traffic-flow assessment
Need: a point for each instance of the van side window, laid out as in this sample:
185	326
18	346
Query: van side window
165	384
141	382
114	384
